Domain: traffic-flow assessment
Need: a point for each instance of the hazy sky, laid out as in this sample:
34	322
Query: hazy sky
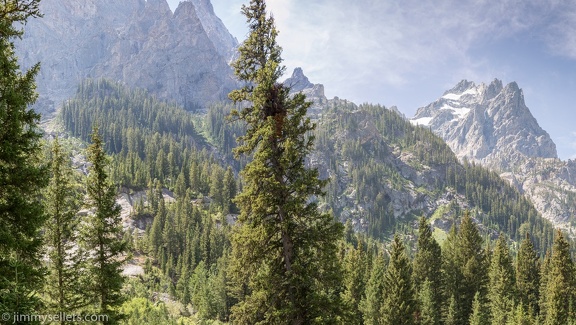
408	52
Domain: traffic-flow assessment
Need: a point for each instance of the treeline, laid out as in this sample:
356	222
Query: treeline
149	141
370	138
463	282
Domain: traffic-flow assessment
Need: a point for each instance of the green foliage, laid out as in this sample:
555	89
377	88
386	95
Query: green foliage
560	290
528	275
427	269
399	304
283	262
102	235
479	314
21	174
148	138
501	289
65	259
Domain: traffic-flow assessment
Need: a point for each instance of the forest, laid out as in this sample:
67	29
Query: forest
237	219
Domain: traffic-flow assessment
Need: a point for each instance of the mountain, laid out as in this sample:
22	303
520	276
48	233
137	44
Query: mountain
181	56
491	125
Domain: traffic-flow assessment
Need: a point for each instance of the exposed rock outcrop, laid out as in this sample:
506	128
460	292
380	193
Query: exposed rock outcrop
182	56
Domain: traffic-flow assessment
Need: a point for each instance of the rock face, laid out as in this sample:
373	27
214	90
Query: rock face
298	82
489	124
182	56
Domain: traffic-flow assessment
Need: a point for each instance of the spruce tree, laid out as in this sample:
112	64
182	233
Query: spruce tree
528	275
479	314
373	300
21	176
501	290
354	282
399	305
559	291
429	310
65	258
284	266
427	267
451	276
102	234
471	258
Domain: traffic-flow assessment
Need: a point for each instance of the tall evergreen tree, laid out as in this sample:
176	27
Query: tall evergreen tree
354	282
62	202
284	263
21	177
528	275
471	258
479	314
427	267
399	305
452	277
559	293
501	290
102	234
374	297
429	312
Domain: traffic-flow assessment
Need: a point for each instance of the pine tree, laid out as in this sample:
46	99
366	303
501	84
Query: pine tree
429	309
451	275
559	291
284	263
399	305
373	300
501	290
103	235
427	267
479	314
472	263
528	275
22	178
354	282
65	258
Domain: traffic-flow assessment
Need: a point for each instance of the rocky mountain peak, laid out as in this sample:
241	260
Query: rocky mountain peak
298	81
160	6
490	124
460	87
182	56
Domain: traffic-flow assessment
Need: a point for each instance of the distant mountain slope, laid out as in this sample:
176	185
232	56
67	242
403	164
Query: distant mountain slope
182	56
491	124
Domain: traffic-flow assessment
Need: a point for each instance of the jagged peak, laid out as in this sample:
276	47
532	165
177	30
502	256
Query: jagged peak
185	8
298	81
461	87
158	5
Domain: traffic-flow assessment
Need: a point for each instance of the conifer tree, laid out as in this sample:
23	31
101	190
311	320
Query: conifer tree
103	235
61	200
399	305
373	300
451	276
354	282
559	291
429	309
21	177
471	258
501	290
479	314
528	275
427	267
284	266
544	275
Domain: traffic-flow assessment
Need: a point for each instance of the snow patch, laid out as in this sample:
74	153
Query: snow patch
425	121
460	112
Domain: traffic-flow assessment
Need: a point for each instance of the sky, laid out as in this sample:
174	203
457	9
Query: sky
408	52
